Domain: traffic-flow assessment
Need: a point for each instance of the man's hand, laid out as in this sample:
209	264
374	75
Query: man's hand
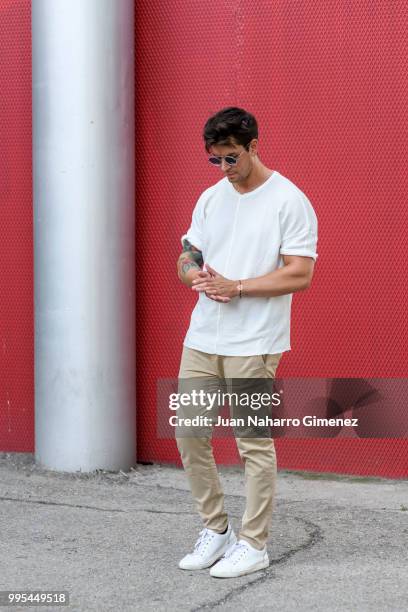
197	275
216	286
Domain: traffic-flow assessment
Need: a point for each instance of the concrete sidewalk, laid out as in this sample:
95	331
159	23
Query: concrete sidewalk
113	540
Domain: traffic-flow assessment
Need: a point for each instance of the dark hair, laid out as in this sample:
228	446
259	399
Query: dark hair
228	125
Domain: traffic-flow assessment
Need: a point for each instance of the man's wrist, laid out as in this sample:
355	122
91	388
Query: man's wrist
240	289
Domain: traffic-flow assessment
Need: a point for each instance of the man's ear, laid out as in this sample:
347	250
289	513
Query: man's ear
253	146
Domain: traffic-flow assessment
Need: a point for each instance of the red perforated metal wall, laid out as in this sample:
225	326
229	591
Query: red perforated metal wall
16	230
327	82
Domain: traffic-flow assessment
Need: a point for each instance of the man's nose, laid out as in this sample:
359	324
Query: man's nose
224	165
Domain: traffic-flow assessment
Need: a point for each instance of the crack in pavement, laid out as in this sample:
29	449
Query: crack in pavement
86	507
315	535
65	504
154	486
50	503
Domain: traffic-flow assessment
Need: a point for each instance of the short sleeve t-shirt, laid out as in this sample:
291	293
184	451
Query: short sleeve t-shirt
244	236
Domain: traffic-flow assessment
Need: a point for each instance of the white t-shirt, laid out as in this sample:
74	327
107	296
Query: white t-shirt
243	236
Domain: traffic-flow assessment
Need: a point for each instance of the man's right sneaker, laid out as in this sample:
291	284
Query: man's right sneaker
209	547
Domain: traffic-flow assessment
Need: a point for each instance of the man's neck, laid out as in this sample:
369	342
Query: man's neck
258	176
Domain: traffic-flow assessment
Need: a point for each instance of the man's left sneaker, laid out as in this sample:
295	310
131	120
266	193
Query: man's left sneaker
240	559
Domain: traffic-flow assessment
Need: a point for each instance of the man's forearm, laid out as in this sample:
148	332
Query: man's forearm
189	262
186	269
284	280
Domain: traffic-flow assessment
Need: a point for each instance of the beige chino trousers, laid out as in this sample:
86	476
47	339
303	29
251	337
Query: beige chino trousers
258	454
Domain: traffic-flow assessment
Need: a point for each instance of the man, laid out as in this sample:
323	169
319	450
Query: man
250	246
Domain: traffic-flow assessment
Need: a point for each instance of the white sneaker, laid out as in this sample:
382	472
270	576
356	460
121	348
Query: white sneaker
240	559
209	547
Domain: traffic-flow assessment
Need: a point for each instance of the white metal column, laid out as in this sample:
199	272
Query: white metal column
84	238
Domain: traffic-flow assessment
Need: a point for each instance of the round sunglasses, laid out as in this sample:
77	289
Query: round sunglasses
216	160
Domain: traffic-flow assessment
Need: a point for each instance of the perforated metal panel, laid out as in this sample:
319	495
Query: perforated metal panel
16	230
327	82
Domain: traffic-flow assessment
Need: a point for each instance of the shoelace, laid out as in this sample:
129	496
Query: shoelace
235	550
201	540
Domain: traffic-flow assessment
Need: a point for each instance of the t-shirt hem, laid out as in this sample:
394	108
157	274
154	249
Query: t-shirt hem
226	351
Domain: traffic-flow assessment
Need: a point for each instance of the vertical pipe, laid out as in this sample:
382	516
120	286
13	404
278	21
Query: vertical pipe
84	239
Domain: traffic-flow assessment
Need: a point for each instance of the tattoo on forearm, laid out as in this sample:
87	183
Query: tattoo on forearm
186	262
191	257
187	246
187	265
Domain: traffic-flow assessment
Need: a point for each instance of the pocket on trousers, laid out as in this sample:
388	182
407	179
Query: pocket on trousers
271	362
